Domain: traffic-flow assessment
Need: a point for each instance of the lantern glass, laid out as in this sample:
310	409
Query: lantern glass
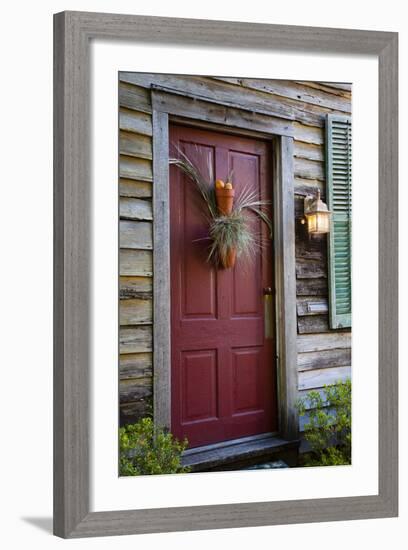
317	214
318	222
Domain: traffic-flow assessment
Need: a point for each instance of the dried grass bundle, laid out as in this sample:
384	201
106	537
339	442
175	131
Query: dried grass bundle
231	231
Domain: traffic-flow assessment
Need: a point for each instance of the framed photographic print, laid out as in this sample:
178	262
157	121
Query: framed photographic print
225	274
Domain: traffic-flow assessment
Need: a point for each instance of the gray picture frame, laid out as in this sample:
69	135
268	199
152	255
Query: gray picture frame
72	205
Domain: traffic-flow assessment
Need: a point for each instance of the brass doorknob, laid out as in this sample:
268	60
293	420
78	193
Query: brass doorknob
267	290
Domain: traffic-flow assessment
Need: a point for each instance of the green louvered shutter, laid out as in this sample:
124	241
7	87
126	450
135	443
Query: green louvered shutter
338	167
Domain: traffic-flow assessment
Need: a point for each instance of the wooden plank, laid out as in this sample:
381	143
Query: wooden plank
134	168
311	287
309	186
308	134
135	339
339	85
342	90
136	262
285	281
137	235
245	452
312	306
311	248
198	109
320	342
208	88
310	269
161	262
135	121
135	209
308	151
324	359
135	145
135	389
135	287
134	97
136	311
313	324
134	188
130	413
309	380
135	365
309	169
296	94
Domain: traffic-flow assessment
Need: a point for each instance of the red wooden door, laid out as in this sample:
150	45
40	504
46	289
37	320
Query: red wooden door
223	368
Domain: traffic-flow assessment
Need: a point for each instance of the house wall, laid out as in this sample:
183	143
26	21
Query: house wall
324	356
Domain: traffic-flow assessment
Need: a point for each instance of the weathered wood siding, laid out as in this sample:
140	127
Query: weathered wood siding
136	242
324	356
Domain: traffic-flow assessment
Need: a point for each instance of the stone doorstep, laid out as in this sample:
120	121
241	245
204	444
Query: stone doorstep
241	454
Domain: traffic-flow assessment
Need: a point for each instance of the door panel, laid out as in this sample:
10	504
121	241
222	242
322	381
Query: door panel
199	378
223	368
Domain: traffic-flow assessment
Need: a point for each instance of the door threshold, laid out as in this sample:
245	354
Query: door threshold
241	453
228	443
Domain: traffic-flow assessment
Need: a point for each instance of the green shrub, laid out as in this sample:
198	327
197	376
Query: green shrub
328	430
145	449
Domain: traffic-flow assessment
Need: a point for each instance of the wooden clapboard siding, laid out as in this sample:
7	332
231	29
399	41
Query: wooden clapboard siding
317	378
136	262
136	311
131	412
135	365
320	342
297	93
227	94
343	90
137	235
313	324
307	186
308	151
308	169
135	389
324	356
135	339
311	287
310	268
134	97
135	121
134	188
135	168
136	242
135	209
308	134
135	287
324	359
135	145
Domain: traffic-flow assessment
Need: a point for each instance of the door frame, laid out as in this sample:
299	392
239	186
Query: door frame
205	112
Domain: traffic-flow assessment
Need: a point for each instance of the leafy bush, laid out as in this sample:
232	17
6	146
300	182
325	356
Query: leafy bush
145	449
328	430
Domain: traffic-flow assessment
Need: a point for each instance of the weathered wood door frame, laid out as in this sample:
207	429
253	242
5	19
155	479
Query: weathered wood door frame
242	119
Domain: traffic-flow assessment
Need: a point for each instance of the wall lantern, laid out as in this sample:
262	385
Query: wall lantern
317	215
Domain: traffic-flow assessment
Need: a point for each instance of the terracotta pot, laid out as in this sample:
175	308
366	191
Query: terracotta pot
225	200
228	260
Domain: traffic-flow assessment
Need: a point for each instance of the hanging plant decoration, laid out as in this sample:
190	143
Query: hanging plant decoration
229	217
